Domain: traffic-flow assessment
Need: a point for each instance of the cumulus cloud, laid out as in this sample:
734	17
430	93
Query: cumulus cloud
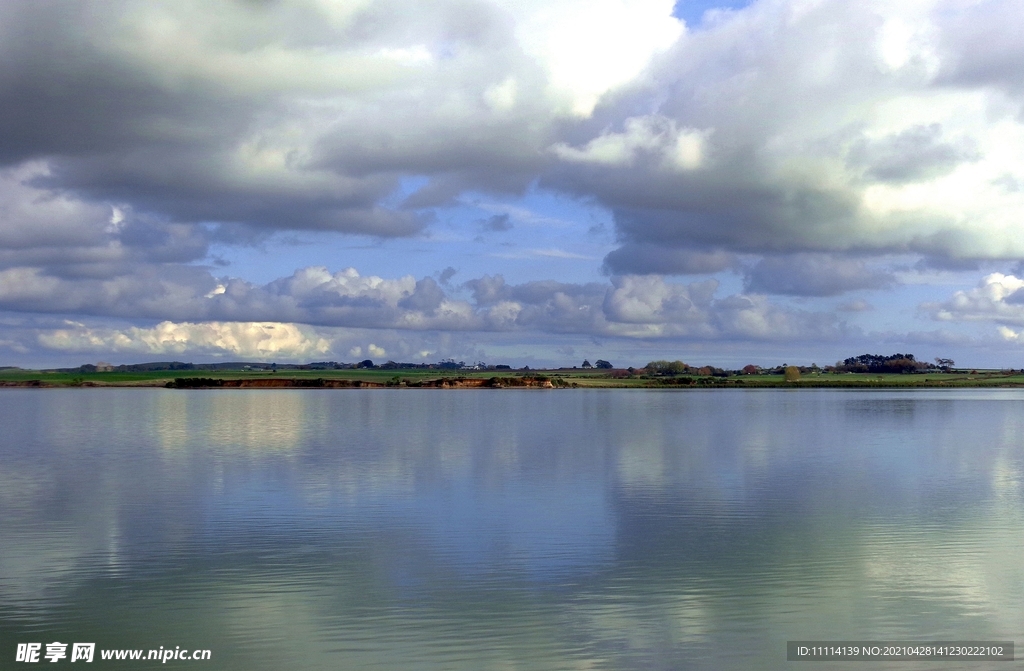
649	306
998	298
650	300
653	139
831	126
628	306
257	340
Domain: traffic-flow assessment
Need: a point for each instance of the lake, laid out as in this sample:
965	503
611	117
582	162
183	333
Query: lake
511	529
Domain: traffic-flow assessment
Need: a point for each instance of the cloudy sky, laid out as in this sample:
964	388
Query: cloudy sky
513	181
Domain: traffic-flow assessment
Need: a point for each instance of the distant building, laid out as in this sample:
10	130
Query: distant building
104	367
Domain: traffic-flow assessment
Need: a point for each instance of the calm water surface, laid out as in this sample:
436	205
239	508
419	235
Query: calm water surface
603	529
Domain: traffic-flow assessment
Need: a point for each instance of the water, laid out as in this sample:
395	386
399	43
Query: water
602	529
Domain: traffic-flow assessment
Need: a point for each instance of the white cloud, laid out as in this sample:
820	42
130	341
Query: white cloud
654	136
838	126
257	340
1009	334
628	307
502	97
651	300
589	47
998	298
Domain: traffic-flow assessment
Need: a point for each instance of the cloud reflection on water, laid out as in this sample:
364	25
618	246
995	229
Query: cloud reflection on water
627	529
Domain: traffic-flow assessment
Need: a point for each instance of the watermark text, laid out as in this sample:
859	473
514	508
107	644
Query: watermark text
56	651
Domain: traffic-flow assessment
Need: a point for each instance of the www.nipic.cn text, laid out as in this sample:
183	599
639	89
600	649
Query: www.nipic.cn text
86	652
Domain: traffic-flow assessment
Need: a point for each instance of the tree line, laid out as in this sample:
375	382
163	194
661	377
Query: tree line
865	363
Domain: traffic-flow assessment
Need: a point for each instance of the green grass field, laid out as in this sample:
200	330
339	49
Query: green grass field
579	378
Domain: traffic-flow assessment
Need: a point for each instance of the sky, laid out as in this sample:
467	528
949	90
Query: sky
522	182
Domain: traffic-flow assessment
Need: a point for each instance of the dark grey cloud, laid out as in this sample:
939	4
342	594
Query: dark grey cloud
488	289
644	258
814	275
121	115
498	223
981	42
426	297
65	236
161	292
123	120
64	94
280	115
916	153
1015	298
731	208
947	263
445	276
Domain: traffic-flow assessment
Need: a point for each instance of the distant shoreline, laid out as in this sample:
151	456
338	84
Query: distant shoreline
540	379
